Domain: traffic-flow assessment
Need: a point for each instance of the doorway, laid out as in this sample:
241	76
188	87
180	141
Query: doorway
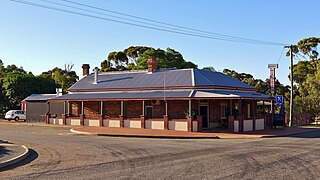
148	112
204	114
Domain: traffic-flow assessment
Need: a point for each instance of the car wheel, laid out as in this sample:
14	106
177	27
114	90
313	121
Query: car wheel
16	118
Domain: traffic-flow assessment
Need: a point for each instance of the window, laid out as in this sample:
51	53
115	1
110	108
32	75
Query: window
224	110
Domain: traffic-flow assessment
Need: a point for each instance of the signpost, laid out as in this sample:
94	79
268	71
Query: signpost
272	68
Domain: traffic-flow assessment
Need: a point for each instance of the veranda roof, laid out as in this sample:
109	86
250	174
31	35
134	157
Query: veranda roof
161	94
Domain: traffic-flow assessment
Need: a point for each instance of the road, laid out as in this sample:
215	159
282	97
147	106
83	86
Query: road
58	154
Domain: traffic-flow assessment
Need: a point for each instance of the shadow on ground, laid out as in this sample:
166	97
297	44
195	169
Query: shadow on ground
31	157
314	134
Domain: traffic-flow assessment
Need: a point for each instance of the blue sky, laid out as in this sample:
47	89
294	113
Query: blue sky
41	39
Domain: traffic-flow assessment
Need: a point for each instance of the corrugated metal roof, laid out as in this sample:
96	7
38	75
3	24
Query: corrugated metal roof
211	78
171	78
39	97
136	80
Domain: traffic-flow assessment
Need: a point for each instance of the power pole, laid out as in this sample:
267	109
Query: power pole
291	86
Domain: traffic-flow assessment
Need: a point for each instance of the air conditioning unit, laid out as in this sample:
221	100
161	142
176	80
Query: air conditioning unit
155	102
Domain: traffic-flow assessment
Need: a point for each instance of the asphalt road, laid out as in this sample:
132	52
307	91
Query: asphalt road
58	154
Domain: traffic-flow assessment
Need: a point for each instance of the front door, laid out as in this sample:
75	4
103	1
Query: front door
204	114
148	112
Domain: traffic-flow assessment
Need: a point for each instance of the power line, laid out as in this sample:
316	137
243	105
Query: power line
127	19
144	26
280	55
177	26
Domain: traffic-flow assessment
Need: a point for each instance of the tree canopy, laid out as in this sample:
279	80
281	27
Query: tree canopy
136	57
306	75
16	84
262	86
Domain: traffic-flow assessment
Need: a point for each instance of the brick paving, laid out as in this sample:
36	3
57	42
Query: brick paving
182	134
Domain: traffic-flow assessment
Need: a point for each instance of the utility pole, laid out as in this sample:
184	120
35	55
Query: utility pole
291	86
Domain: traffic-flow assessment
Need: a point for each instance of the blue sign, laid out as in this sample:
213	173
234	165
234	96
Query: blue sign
279	100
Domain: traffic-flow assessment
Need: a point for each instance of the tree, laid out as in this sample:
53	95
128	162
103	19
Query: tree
136	57
310	94
262	86
19	86
166	59
63	78
307	50
209	68
305	74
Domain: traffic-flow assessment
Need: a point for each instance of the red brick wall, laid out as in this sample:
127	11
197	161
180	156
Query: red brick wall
134	109
177	109
112	108
195	105
159	110
214	111
74	108
91	109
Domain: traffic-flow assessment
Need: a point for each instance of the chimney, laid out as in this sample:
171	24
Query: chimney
59	91
95	80
152	65
85	69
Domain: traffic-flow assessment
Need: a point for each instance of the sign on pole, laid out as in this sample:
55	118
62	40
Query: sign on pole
279	100
272	68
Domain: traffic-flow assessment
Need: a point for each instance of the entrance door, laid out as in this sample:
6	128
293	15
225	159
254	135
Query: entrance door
204	114
148	112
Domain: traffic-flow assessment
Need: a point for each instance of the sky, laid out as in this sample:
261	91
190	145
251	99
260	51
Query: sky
40	39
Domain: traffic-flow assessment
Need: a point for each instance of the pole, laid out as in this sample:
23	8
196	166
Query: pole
291	86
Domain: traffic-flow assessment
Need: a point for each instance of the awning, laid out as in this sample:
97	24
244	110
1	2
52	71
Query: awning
161	94
125	95
230	94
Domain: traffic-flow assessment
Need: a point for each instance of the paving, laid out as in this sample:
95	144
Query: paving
11	154
135	132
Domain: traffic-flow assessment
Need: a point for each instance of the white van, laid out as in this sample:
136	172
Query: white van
16	115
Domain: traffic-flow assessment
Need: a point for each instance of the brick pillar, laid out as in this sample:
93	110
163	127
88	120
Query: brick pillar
231	123
241	120
101	120
254	110
143	120
47	118
64	119
82	120
121	121
189	120
166	122
199	118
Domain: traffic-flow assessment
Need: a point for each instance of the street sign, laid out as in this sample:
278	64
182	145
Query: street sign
272	66
279	100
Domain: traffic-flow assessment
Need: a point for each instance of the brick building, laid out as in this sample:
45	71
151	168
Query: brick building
184	99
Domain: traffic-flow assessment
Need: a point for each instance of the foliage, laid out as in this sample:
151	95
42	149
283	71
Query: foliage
16	84
136	57
306	76
209	68
63	78
262	86
310	94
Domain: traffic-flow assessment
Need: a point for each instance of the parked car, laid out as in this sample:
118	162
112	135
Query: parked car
15	115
